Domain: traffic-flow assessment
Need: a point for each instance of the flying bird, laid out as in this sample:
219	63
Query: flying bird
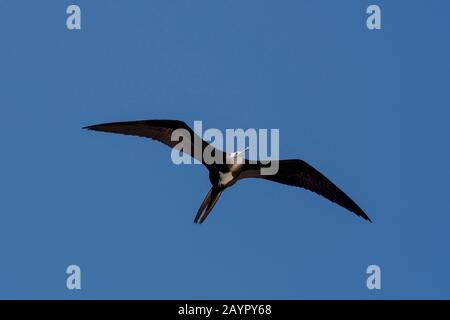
223	174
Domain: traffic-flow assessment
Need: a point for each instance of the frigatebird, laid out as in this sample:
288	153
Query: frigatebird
223	174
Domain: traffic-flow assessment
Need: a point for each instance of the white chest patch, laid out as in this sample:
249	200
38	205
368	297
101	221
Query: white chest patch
225	178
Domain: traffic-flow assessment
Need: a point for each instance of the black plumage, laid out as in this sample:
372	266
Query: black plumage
223	175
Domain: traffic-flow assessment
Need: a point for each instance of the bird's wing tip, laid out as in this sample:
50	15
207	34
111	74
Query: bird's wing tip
92	127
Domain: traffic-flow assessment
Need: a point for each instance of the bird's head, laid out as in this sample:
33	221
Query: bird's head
238	156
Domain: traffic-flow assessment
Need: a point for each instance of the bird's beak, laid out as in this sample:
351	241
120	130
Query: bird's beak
240	152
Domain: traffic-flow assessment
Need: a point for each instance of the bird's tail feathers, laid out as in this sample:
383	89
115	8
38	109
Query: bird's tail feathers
207	205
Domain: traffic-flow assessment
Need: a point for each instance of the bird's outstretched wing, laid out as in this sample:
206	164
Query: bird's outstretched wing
300	174
161	130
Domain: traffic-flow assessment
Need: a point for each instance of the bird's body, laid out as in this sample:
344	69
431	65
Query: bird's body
233	166
226	179
229	171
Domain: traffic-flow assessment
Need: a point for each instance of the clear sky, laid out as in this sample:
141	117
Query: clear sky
370	109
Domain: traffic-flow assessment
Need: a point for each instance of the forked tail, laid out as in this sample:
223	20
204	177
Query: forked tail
207	205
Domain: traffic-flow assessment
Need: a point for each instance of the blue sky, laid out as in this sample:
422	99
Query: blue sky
370	109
